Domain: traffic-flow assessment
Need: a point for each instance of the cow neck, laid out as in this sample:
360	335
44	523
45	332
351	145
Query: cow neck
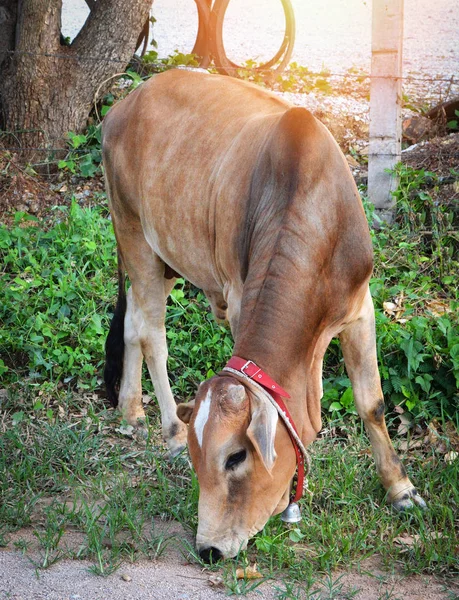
249	370
275	323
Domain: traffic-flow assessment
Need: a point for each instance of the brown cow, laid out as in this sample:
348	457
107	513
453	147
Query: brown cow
252	201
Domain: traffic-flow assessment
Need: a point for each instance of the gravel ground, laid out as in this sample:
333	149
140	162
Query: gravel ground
331	33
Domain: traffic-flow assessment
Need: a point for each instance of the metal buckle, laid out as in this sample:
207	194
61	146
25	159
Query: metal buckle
249	362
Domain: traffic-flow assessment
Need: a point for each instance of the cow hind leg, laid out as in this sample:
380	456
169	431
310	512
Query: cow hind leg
114	345
358	342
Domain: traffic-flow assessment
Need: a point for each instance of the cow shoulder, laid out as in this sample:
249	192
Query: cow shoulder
275	177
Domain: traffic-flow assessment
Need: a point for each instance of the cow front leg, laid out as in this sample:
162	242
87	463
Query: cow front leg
149	309
358	342
145	335
130	396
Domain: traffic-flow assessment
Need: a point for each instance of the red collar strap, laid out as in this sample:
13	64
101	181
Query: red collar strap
252	371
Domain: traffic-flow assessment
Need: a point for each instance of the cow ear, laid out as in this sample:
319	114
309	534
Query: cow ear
185	410
262	429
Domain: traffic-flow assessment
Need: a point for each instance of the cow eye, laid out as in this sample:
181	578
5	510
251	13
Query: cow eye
235	459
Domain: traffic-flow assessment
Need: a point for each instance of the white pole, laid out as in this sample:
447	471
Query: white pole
385	104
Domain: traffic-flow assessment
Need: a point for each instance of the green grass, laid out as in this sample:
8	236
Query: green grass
75	472
58	288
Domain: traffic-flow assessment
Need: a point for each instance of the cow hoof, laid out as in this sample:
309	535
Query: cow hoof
407	500
141	431
135	418
176	441
176	454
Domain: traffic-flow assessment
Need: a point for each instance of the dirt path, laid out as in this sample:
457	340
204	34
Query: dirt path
172	577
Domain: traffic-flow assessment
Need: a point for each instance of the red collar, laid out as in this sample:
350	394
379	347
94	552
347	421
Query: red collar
254	372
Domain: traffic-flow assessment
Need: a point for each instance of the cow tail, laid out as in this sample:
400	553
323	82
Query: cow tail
114	346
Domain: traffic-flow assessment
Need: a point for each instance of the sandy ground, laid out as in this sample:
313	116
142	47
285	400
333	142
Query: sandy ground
173	578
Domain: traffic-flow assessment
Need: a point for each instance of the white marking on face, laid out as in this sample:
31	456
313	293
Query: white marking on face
201	417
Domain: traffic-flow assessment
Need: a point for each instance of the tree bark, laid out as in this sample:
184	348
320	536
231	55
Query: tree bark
48	88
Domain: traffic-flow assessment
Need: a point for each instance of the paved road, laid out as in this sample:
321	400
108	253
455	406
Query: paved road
331	33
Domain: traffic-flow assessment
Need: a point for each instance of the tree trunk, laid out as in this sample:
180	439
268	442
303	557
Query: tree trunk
8	16
48	88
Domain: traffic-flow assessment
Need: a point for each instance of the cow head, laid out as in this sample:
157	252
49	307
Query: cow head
244	462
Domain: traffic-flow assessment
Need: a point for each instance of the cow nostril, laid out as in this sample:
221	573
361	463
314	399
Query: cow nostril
210	555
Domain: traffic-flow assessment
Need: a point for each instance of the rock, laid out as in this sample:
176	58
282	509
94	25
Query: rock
126	577
216	580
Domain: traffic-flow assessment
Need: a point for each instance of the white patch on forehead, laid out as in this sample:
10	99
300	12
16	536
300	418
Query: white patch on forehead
201	417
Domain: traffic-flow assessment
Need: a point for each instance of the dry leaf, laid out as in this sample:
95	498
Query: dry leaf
396	309
399	410
351	161
453	435
405	445
406	423
389	307
146	399
406	540
436	535
433	436
365	452
248	573
438	307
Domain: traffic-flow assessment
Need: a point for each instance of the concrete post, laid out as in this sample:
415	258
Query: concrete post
385	104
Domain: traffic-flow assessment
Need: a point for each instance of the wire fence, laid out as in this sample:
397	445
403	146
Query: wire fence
448	86
452	79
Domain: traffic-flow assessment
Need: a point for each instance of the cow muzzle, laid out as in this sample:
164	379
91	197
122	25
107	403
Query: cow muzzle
213	550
